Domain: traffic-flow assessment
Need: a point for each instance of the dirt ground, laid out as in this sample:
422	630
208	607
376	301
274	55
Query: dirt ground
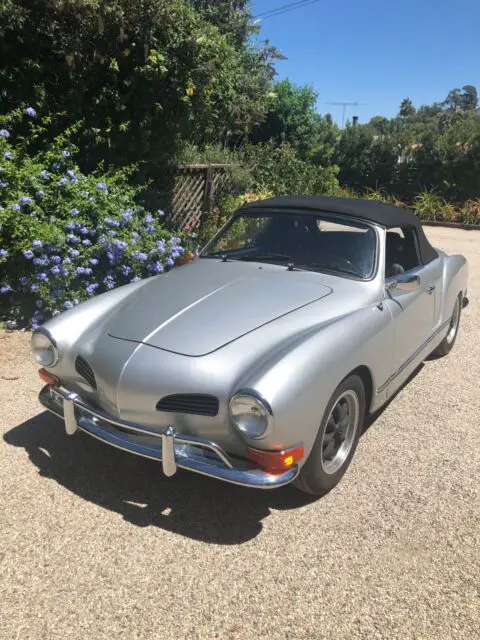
95	543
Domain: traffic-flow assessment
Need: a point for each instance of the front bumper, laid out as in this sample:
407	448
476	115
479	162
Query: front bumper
172	449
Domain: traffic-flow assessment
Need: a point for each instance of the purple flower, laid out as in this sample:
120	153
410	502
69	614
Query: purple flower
149	217
86	243
93	232
4	133
5	288
160	212
71	174
150	229
30	111
65	153
109	282
55	166
125	270
23	280
8	155
62	182
135	235
55	259
74	211
55	270
68	260
161	245
88	271
24	200
126	217
93	262
111	233
70	226
44	174
37	244
38	262
170	262
28	254
34	287
80	271
121	245
157	267
141	257
73	253
92	199
135	279
42	276
67	304
15	207
101	186
112	223
4	185
70	237
3	253
39	194
175	240
83	230
90	289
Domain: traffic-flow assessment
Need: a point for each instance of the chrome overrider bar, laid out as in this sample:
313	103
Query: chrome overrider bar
172	449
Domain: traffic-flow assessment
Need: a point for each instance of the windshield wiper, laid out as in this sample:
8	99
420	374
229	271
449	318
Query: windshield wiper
259	257
326	267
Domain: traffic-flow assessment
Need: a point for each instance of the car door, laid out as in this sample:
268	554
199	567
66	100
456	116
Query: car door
411	291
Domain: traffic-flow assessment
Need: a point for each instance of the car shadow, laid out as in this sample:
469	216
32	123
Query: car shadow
189	504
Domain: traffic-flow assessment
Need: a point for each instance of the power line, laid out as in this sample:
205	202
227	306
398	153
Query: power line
285	9
345	105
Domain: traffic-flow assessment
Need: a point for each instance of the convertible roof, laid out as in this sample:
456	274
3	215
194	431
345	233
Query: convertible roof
386	215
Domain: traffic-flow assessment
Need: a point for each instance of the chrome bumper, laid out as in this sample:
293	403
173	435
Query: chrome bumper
172	449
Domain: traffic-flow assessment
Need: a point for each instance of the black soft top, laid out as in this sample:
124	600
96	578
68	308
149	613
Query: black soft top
387	215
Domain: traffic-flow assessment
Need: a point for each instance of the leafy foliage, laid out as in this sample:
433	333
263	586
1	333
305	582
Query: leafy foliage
66	236
142	76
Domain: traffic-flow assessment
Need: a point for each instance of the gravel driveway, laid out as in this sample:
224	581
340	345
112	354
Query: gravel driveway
96	544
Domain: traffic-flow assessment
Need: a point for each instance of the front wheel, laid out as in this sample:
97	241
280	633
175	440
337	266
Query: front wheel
336	440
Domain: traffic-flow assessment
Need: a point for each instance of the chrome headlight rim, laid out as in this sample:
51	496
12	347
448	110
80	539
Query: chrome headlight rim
52	346
255	396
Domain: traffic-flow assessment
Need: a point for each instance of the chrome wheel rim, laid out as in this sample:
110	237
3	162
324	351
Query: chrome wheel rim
452	331
340	430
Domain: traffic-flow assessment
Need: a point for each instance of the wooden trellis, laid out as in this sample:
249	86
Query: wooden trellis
196	188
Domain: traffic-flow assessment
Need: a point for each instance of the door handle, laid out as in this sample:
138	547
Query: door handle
430	289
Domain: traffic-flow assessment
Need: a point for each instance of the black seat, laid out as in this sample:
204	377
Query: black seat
394	255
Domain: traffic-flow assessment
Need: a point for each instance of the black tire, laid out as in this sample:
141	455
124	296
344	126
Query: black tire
447	343
319	475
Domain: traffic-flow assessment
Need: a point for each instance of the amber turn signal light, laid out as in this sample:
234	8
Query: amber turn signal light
48	378
275	461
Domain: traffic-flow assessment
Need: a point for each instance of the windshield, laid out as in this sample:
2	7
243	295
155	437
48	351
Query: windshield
318	242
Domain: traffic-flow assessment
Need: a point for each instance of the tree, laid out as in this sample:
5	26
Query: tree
465	99
380	124
141	75
406	108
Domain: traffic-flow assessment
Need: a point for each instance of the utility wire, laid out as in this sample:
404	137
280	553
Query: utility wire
285	9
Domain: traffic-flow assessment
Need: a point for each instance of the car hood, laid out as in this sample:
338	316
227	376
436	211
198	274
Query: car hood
198	308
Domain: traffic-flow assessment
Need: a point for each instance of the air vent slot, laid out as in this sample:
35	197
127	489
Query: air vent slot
194	403
85	370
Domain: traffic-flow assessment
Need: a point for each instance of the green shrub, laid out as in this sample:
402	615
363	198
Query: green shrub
65	236
428	205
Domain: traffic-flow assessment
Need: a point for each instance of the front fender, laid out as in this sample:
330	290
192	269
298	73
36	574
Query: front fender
299	383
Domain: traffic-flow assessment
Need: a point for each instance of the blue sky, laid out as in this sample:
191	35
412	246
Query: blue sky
377	51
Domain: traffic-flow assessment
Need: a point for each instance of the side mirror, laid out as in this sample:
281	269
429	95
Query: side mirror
405	283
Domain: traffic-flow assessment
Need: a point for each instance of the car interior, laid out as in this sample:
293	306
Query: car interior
401	252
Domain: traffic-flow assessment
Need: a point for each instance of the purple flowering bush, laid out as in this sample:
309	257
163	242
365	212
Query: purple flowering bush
66	236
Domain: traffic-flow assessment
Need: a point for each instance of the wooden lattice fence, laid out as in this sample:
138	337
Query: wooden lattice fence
196	188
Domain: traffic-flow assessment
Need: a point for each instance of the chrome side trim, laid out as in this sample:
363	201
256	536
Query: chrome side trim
185	452
412	357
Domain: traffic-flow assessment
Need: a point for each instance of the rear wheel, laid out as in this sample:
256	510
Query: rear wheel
447	343
336	440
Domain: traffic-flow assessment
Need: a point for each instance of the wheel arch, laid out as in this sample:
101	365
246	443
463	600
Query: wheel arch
366	377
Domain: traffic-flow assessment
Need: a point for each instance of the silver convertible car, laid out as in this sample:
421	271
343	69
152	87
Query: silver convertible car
258	362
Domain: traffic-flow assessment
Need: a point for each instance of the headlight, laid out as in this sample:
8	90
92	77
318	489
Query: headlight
44	349
251	415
